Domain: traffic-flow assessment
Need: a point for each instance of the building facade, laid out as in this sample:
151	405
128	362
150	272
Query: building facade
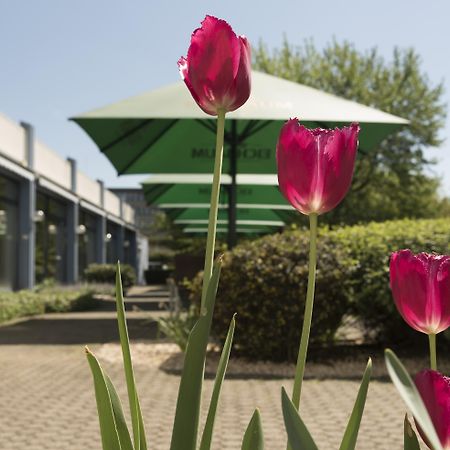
144	214
54	220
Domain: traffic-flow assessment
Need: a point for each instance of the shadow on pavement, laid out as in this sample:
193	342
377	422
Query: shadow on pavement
79	330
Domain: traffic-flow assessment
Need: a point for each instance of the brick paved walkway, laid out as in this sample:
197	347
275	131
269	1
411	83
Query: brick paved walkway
47	398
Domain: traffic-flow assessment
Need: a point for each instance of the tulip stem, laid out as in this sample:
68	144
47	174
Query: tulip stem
301	360
212	223
433	357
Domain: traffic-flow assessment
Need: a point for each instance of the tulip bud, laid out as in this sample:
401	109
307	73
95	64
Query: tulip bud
420	286
217	67
315	167
434	389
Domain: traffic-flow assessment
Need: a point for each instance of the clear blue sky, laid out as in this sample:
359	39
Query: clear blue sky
61	57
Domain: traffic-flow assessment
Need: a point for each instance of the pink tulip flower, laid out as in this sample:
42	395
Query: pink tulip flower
434	389
217	67
420	286
315	167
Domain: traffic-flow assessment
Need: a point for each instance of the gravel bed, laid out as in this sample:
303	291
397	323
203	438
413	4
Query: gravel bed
333	363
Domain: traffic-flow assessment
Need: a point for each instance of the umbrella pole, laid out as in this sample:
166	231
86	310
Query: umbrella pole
232	235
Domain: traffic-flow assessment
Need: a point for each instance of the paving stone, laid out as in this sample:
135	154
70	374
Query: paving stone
47	396
47	402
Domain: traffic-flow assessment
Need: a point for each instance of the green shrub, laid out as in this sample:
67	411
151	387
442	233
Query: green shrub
177	326
106	273
45	299
371	247
18	304
264	281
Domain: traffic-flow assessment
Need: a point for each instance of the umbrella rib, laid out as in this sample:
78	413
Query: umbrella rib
260	125
248	128
140	153
207	124
174	213
126	135
153	193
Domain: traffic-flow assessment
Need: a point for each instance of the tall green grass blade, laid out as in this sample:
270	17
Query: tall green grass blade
410	395
221	369
298	435
139	438
113	428
351	432
185	428
410	440
254	436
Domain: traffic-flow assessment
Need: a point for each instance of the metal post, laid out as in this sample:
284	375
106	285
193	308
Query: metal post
72	242
120	243
27	209
72	228
232	235
101	229
29	144
134	251
100	240
27	243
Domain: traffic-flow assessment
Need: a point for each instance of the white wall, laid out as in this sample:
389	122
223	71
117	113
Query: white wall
50	165
88	189
12	140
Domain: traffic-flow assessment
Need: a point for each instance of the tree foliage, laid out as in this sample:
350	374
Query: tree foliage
390	181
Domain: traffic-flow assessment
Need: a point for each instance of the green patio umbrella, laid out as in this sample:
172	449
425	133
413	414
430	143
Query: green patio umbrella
220	230
194	191
164	131
255	194
245	217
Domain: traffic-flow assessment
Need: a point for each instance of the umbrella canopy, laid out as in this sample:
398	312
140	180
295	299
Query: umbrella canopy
220	231
185	197
164	131
194	191
245	217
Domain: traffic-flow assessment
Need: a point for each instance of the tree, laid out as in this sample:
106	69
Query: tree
390	181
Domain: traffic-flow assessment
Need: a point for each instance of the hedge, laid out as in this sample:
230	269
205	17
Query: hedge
39	301
106	273
371	247
264	281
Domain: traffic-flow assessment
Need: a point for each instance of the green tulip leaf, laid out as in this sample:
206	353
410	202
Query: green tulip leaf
223	363
121	424
185	428
113	428
254	436
351	432
142	437
298	435
139	439
410	440
410	395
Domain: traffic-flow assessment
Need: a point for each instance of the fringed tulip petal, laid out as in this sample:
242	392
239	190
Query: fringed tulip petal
315	167
420	286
